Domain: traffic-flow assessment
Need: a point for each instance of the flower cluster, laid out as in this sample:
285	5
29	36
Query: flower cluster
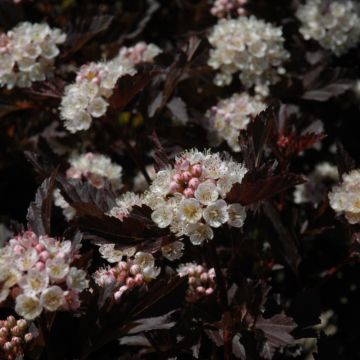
335	25
95	83
14	335
95	169
135	271
37	273
345	198
201	281
230	116
315	189
124	205
190	198
27	54
140	53
249	45
222	8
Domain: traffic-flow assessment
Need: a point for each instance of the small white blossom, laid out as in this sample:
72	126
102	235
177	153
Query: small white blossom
52	298
29	307
76	279
162	216
34	282
173	251
216	214
199	232
57	269
190	210
237	215
207	193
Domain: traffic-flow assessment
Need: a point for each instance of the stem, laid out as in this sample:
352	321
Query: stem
220	284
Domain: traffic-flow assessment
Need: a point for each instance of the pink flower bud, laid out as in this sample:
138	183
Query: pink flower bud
188	192
22	324
130	282
4	332
177	177
135	269
192	280
28	337
200	290
11	321
175	187
139	279
39	248
44	255
186	176
199	269
209	291
194	183
123	265
40	266
15	331
184	164
16	340
196	170
8	346
204	277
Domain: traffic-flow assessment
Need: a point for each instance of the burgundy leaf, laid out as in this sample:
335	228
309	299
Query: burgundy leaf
277	329
161	159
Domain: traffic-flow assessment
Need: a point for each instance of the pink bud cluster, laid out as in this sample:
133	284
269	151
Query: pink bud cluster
201	281
127	274
222	8
186	178
14	336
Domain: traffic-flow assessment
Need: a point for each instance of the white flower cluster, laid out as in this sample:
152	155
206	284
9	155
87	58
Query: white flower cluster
335	25
125	203
95	169
315	189
249	45
140	53
37	273
27	54
230	116
345	198
135	271
191	197
95	83
223	8
201	281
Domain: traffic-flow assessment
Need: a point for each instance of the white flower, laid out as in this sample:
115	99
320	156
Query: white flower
162	216
250	46
173	251
97	107
144	260
216	214
29	307
150	273
237	215
57	268
199	232
76	279
190	210
52	298
34	282
207	193
10	276
335	25
27	259
27	54
109	253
